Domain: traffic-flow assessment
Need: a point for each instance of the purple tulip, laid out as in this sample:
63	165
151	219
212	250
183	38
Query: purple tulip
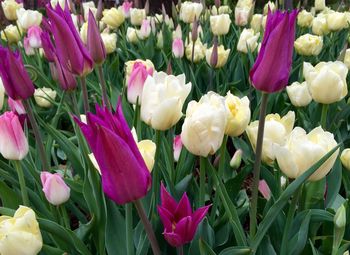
180	223
95	44
70	49
66	80
271	70
15	78
48	47
125	177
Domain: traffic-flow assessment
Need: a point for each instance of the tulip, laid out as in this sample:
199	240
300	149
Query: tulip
10	8
61	3
223	9
305	19
320	5
347	58
113	17
242	16
66	79
28	18
125	177
180	223
256	22
70	49
2	94
160	40
248	41
270	73
163	97
345	158
147	149
276	131
10	34
55	189
87	8
264	189
83	32
109	41
93	159
299	94
269	6
44	96
309	45
20	234
236	159
94	41
16	106
222	56
129	67
16	80
13	142
189	11
177	147
125	8
177	34
178	48
27	48
336	21
33	35
238	114
137	16
131	35
340	217
136	82
48	47
220	24
326	81
145	30
204	125
199	51
319	25
303	150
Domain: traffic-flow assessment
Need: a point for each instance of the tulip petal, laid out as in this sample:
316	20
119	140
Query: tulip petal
167	200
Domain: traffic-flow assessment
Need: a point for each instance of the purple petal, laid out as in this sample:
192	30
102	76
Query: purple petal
183	208
167	200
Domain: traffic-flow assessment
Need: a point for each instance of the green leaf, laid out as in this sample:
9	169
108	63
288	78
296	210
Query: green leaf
236	250
9	197
204	248
298	242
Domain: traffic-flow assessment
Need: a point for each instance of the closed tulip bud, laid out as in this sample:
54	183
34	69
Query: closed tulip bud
248	41
190	11
276	131
347	58
16	106
213	54
48	47
302	150
217	3
163	97
305	19
177	147
28	18
178	48
345	158
199	51
100	7
147	149
256	22
320	5
66	79
136	82
95	44
55	189
109	41
269	6
2	94
145	30
137	16
242	15
299	94
131	35
326	81
13	142
340	217
271	76
113	17
11	34
194	32
115	150
308	45
177	34
22	229
319	25
146	7
16	80
33	35
219	58
204	125
44	97
238	114
220	24
336	21
236	160
125	8
264	189
10	7
129	67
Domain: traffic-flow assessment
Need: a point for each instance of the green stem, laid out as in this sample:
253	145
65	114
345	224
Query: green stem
324	116
85	94
74	104
290	215
180	250
148	227
103	87
38	138
202	166
156	169
22	183
65	216
129	229
257	164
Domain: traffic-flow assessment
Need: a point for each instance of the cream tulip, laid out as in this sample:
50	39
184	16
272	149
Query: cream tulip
44	97
113	17
62	3
11	34
336	21
83	32
9	8
163	97
270	5
204	126
320	5
319	25
28	18
109	41
326	81
248	41
220	24
242	15
276	131
308	45
131	35
345	158
299	94
137	16
302	150
147	149
256	22
305	18
222	56
238	114
223	9
347	58
189	11
199	51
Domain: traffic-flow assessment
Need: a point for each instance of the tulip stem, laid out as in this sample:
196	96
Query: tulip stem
148	227
257	164
85	94
103	87
129	229
64	216
290	215
22	183
38	138
324	116
156	171
202	166
180	250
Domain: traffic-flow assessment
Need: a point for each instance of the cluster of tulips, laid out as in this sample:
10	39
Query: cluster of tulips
214	130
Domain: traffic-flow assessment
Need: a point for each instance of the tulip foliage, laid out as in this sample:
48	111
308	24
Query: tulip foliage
217	129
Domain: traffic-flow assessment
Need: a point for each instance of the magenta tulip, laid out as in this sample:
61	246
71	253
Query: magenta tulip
271	70
180	223
66	80
125	177
48	47
15	78
95	44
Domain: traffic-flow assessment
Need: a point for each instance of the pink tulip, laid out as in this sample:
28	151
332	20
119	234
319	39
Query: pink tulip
55	189
136	81
29	50
126	6
34	36
178	48
16	106
13	142
264	189
145	29
177	146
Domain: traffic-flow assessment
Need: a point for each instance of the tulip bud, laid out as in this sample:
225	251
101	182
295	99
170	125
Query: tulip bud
177	33
264	189
11	34
195	30
220	24
236	160
109	41
131	35
55	189
248	41
217	3
177	147
125	7
320	5
113	17
33	35
299	94
147	149
9	8
94	41
145	29
305	18
173	10
147	7
137	16
256	22
214	53
13	142
28	18
136	81
99	10
169	69
190	11
66	79
44	97
340	217
178	48
345	158
308	45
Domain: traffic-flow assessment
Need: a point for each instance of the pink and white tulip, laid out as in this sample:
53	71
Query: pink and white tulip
177	146
33	35
55	189
16	106
178	48
264	189
136	81
126	6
